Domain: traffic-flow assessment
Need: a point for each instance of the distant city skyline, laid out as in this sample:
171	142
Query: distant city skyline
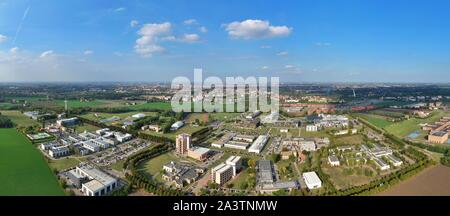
154	41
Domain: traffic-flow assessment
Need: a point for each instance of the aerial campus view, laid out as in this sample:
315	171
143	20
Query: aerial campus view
231	98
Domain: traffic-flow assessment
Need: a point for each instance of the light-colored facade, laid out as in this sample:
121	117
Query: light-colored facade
312	181
221	174
100	183
259	144
183	143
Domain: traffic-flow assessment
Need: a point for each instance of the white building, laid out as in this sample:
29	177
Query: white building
381	164
177	125
100	183
59	151
312	181
307	145
259	144
235	162
139	115
333	160
102	132
91	146
122	137
221	174
394	160
284	130
311	128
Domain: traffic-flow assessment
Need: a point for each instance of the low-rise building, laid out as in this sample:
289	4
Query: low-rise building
312	181
439	137
177	125
333	160
311	128
199	153
258	144
59	151
381	163
99	183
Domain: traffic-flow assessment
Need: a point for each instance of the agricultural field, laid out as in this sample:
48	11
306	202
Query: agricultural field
376	120
23	168
19	119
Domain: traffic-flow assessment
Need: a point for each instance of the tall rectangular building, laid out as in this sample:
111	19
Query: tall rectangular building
183	143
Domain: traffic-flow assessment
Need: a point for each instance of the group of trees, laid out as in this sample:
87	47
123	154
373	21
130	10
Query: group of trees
5	122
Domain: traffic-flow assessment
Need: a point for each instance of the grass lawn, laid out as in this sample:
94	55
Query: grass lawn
404	128
86	127
375	120
202	117
152	105
185	129
153	167
23	168
78	103
63	164
19	119
118	165
349	140
241	179
224	116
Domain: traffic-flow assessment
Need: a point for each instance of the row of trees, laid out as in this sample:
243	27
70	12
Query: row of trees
139	180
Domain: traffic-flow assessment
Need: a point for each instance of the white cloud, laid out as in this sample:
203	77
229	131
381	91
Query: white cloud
283	53
265	47
264	67
322	44
3	38
88	52
190	22
134	23
14	50
121	9
203	29
289	67
46	54
190	38
256	29
147	43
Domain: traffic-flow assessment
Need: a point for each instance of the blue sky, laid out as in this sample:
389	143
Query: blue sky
303	41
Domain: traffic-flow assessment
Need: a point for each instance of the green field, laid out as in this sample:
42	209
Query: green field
19	119
404	128
172	135
152	105
23	170
62	164
153	167
349	140
375	120
78	103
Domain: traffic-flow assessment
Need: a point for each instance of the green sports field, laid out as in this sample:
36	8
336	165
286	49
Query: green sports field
23	170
